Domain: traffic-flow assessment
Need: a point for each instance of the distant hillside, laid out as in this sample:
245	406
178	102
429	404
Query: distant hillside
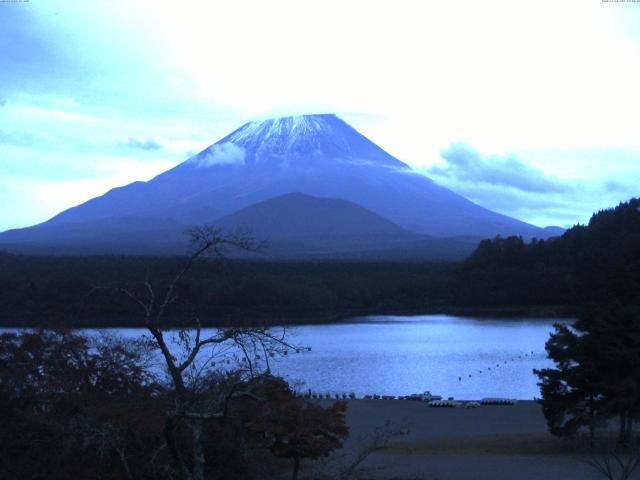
132	235
298	226
596	262
299	216
294	226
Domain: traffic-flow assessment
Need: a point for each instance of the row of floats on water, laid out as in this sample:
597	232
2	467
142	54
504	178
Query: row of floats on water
522	356
431	400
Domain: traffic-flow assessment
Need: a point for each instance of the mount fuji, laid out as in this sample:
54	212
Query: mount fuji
319	156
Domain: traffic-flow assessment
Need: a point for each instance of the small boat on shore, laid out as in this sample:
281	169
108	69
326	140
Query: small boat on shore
423	397
445	403
498	401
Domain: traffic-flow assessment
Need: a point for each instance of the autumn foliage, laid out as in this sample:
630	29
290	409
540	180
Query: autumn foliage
292	427
73	407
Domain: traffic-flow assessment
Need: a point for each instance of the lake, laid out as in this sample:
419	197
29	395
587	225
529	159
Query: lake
466	358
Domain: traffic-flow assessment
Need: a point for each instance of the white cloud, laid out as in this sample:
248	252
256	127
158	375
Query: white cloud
507	184
149	144
464	163
226	153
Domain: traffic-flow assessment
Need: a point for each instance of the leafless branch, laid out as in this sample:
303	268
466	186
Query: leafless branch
195	400
350	466
614	463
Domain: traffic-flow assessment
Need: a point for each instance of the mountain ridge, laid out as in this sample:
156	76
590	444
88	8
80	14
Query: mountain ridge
318	155
297	215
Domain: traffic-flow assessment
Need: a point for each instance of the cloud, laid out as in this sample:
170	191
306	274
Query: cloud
140	144
226	153
615	186
508	185
26	138
464	163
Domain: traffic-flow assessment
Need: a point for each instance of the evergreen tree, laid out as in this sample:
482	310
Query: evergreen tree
571	398
597	374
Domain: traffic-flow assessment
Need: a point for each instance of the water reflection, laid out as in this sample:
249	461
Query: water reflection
467	358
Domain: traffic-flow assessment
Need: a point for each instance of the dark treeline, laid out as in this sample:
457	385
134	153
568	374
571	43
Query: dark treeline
62	290
590	264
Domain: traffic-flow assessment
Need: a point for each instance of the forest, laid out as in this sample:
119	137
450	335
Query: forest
588	264
559	276
81	291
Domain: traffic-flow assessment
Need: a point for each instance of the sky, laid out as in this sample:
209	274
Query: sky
527	108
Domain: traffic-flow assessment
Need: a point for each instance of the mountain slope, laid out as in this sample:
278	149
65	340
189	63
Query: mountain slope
318	155
296	215
296	225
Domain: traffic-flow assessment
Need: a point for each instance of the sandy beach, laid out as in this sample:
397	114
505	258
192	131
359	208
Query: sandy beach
485	443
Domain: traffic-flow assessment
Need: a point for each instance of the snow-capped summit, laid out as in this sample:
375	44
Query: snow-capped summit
294	140
287	131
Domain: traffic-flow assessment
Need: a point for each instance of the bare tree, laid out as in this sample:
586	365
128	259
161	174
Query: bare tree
349	466
616	463
200	352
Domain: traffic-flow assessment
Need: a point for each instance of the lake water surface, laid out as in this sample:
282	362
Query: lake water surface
466	358
451	356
